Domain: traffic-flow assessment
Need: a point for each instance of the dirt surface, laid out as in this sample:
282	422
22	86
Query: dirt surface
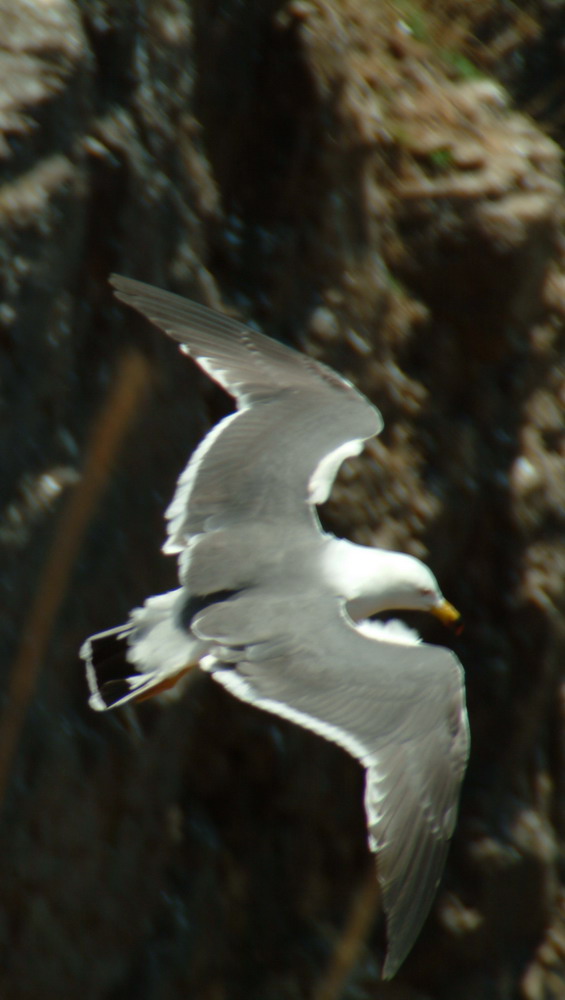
355	178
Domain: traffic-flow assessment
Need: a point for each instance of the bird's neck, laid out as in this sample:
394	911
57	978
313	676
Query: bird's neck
364	576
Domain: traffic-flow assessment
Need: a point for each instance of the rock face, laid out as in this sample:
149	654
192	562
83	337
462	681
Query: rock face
322	169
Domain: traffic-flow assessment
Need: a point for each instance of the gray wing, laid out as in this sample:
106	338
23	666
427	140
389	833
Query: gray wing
398	707
297	421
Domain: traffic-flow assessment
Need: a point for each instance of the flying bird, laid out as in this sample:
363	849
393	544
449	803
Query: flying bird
278	611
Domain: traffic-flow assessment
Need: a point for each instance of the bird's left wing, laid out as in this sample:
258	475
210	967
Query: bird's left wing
398	707
297	421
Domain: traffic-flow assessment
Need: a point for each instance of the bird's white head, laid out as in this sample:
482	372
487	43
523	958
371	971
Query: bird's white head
413	587
395	581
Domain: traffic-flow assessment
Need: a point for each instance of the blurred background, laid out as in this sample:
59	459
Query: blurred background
379	184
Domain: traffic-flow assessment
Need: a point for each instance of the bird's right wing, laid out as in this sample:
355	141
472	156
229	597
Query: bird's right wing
398	707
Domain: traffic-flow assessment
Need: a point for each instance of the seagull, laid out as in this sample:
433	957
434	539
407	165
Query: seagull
278	611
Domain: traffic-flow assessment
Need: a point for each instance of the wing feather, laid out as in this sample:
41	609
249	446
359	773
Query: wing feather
246	363
297	421
398	707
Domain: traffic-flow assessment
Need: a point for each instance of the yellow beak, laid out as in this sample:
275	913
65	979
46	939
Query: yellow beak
447	614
